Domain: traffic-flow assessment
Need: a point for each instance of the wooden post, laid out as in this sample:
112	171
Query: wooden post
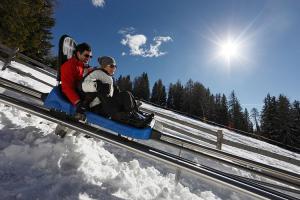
10	57
219	139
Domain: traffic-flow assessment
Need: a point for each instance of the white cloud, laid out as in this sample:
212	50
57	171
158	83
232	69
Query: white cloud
136	44
163	39
127	30
154	49
98	3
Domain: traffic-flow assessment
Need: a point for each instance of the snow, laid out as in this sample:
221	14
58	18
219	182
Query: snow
37	164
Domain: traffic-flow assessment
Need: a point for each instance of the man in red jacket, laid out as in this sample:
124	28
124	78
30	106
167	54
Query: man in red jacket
72	72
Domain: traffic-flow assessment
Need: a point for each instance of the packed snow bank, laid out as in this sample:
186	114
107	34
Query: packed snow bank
37	164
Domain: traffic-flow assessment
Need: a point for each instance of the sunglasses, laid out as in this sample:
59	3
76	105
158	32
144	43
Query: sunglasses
87	55
112	66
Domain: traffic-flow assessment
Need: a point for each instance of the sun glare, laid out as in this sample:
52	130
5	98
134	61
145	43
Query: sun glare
229	50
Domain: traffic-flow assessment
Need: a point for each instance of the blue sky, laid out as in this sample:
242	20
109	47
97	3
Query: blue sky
178	40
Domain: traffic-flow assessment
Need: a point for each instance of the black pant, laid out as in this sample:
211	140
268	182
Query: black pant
110	106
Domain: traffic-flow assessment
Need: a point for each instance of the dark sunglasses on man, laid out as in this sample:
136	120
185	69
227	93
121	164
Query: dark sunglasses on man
87	55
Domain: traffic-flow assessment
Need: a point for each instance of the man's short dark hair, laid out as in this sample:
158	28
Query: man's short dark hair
82	47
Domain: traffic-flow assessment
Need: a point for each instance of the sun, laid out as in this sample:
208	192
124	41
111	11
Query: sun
229	50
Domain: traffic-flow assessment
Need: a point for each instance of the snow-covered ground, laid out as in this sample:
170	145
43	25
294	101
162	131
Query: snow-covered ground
37	164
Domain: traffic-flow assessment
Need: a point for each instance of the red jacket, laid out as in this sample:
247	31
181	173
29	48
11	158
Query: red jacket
72	72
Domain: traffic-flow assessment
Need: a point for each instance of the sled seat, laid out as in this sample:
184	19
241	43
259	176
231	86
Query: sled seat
57	101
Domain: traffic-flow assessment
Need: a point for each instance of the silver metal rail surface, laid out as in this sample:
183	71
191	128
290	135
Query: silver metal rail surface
237	184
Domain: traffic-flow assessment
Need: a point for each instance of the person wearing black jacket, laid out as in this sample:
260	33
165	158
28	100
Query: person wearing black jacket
103	96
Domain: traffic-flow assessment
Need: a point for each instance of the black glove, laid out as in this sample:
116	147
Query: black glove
116	90
103	88
80	108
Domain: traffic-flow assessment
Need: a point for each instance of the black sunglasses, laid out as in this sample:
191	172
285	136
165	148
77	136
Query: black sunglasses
112	66
87	55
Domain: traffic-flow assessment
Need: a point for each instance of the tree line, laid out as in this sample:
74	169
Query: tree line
279	119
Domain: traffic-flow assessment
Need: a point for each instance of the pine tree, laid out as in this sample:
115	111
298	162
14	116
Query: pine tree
221	110
210	105
255	116
268	116
26	24
170	99
283	121
175	96
159	95
248	123
198	101
187	100
236	115
224	111
124	83
141	87
295	126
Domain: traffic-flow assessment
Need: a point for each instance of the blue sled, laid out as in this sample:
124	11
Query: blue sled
55	100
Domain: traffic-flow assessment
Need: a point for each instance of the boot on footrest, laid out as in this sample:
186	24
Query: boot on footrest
148	116
141	120
133	119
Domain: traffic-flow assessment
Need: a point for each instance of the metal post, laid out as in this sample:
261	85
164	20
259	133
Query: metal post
178	170
10	57
219	139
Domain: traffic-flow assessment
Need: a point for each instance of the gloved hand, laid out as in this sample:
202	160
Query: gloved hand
103	88
80	108
116	90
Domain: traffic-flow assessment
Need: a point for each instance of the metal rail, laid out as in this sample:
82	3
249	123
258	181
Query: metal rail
270	141
224	141
41	70
235	183
18	71
21	89
264	170
14	55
